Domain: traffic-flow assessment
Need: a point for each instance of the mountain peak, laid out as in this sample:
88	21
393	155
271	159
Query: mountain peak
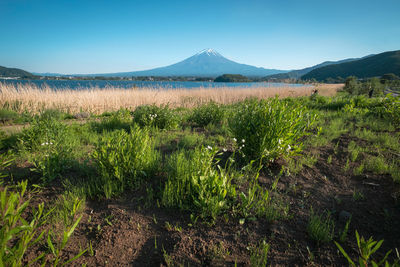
209	52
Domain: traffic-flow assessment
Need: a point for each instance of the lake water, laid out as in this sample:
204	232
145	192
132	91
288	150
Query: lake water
86	84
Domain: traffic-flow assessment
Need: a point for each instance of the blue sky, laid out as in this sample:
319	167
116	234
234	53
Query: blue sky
78	36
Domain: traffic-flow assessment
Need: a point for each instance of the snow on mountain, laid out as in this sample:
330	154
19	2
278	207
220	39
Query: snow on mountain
206	63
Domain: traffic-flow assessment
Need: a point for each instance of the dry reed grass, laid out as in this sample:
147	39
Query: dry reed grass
34	99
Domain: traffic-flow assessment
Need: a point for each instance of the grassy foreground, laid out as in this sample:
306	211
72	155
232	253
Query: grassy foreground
253	182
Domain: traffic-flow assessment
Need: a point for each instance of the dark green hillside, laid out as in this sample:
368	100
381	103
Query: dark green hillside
12	72
377	65
296	74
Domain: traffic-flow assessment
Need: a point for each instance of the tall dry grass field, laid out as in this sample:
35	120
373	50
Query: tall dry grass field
34	99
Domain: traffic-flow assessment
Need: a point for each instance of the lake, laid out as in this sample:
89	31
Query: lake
87	84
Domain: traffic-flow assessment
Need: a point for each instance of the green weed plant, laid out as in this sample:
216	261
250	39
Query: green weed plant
268	129
124	160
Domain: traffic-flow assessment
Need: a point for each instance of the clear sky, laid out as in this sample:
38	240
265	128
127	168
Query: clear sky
82	36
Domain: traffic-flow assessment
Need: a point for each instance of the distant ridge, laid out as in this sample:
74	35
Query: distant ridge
371	66
206	63
296	74
13	72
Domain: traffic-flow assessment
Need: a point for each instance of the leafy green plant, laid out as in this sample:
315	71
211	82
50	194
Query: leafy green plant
189	141
210	113
389	109
268	129
194	184
57	247
321	227
67	207
52	143
343	234
259	202
17	234
161	117
124	160
366	248
119	120
259	254
7	115
54	114
354	151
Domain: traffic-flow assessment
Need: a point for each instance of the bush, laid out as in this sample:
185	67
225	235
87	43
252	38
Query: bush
121	119
124	160
151	115
211	113
267	129
193	184
52	141
53	114
389	109
7	115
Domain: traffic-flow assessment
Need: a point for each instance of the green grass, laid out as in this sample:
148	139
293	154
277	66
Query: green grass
171	158
194	184
124	160
321	227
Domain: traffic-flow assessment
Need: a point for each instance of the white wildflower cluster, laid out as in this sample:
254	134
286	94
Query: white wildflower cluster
288	148
47	143
152	116
209	148
242	145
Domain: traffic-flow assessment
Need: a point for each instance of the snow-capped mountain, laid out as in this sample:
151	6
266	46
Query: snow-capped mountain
206	63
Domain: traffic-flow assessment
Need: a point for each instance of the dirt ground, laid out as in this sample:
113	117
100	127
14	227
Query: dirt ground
125	232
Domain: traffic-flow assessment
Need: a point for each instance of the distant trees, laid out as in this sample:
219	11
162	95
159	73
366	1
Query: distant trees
232	78
371	86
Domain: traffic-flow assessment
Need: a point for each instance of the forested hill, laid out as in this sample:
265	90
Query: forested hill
12	72
373	66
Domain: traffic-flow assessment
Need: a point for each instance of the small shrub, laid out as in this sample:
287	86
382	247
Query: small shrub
193	184
268	129
189	141
259	202
151	115
211	113
7	115
259	255
124	160
55	114
19	234
321	227
120	120
388	109
52	143
366	248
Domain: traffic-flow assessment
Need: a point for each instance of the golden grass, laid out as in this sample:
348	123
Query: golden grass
34	99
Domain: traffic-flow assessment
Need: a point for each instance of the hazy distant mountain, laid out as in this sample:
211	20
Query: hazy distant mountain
370	66
50	74
207	63
13	72
296	74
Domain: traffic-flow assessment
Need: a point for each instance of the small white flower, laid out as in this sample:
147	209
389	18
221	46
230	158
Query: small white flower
243	140
234	139
209	147
224	149
279	141
288	148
